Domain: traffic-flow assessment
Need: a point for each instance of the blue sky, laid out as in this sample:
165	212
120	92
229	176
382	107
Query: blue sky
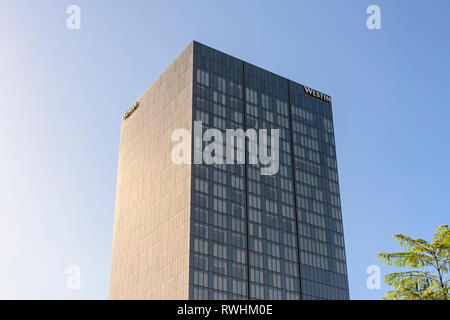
62	94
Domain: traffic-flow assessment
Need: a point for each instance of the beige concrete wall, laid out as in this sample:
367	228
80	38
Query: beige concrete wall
150	258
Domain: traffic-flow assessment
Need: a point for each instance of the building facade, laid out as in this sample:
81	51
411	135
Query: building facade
225	231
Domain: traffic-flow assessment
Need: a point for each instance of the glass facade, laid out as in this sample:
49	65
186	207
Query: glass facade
218	258
259	236
150	254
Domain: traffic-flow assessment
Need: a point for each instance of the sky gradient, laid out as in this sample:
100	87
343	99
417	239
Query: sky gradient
63	92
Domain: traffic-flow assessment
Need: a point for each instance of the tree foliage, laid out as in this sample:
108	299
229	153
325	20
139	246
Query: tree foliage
428	264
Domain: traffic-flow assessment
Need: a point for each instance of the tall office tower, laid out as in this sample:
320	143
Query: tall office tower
226	231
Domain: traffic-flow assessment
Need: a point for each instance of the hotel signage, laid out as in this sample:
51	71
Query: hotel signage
317	94
131	110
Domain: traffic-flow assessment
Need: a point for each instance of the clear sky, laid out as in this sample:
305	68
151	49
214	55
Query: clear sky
63	92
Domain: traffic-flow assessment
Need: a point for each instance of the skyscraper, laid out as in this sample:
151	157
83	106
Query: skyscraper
226	231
